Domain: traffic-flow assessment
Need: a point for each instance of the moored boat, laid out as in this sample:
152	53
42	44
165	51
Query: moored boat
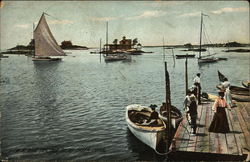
151	135
115	57
237	90
207	60
240	98
176	116
246	83
3	56
221	76
184	56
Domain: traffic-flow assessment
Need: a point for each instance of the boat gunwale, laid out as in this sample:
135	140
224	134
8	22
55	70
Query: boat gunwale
144	128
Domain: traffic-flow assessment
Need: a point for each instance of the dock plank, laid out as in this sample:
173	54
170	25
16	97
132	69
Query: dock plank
246	117
206	133
201	130
179	135
212	141
243	127
231	138
193	139
237	131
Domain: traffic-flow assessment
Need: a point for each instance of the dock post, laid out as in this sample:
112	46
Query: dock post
186	74
100	52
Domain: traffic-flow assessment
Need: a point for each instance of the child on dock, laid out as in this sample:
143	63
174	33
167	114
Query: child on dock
197	84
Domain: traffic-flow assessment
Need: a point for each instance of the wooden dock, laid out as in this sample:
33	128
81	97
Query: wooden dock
214	146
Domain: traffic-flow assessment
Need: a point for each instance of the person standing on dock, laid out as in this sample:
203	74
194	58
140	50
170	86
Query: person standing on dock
193	113
190	105
219	123
197	83
228	97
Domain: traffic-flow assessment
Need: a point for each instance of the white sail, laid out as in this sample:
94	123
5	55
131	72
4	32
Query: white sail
45	43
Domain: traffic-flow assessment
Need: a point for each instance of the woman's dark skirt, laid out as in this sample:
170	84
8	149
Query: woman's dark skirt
219	123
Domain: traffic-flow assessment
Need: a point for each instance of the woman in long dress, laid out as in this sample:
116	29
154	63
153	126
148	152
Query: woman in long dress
219	123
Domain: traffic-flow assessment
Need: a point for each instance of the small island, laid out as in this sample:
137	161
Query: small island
67	45
29	49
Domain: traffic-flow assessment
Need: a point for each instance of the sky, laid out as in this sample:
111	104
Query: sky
84	22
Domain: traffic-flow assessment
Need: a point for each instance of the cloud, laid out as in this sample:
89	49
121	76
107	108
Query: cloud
191	14
148	14
103	18
159	3
60	22
228	9
24	26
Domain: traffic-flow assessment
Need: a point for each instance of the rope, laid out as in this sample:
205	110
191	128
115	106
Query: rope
165	153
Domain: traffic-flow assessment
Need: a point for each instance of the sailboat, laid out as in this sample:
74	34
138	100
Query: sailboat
110	56
45	43
208	58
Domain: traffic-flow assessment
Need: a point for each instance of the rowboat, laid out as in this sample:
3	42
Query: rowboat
240	98
115	57
236	90
151	135
221	76
246	83
184	56
176	116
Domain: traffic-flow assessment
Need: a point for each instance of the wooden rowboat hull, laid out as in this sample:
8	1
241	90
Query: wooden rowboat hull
240	98
246	83
237	90
176	117
151	136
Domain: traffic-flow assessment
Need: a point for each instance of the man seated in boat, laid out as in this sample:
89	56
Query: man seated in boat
152	120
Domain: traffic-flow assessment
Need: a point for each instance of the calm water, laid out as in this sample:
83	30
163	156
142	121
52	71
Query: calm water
75	109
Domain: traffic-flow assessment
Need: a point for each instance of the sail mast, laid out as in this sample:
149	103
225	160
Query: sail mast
200	36
33	39
107	25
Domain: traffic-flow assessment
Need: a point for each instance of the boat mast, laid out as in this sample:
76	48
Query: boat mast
107	26
100	52
200	36
33	39
168	105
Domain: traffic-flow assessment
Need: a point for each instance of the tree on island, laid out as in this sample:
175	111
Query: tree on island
188	45
233	44
135	41
115	41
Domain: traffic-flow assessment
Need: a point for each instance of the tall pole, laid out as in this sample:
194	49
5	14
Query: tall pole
100	52
173	56
163	44
33	41
200	35
186	73
107	26
168	106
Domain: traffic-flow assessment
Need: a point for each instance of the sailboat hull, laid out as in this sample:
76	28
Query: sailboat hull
207	60
46	59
